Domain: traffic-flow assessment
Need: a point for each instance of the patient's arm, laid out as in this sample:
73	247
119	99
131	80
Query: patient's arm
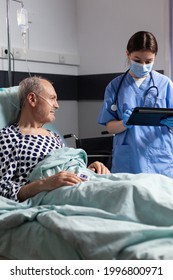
58	180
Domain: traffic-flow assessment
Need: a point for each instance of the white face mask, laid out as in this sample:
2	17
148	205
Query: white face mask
140	70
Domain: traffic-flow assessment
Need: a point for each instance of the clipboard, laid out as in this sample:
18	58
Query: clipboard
147	116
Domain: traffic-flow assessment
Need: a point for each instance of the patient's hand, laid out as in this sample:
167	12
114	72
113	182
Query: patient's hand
98	167
63	178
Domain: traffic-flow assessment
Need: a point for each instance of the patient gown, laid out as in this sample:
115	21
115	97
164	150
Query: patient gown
19	154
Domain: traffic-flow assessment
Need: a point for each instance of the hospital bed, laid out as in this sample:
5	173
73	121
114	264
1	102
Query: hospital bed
117	216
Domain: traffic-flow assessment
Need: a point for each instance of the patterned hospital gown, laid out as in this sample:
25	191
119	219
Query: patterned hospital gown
19	154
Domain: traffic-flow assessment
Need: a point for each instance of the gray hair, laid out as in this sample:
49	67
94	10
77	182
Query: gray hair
31	84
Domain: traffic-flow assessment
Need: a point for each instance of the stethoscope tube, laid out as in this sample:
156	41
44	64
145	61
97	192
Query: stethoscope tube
114	105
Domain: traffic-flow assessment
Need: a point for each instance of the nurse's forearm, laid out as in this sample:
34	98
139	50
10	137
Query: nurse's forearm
115	127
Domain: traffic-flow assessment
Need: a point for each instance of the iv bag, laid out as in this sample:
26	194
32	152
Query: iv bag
22	20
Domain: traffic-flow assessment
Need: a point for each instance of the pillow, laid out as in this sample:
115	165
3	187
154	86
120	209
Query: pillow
9	105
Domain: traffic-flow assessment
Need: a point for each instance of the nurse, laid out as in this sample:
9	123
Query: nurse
136	149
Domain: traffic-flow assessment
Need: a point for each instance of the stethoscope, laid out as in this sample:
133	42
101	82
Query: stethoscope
114	105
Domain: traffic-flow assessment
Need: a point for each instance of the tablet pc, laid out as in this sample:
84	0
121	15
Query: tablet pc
149	116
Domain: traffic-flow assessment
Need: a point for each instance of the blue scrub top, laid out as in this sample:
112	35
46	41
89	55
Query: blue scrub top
146	149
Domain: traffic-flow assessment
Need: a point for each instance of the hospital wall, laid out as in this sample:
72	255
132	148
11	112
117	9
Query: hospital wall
104	28
91	32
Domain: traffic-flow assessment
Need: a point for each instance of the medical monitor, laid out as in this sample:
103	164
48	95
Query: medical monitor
149	116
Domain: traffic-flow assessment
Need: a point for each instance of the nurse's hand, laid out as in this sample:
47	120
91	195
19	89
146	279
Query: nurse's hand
125	118
168	122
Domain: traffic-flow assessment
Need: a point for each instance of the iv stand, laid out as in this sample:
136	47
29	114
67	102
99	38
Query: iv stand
8	43
8	38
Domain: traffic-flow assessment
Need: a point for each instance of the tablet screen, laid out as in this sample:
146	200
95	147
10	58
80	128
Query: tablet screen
149	116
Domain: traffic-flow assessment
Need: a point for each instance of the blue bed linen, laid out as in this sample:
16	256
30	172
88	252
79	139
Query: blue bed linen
115	216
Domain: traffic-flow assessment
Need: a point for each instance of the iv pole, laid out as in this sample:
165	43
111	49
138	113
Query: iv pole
8	43
8	38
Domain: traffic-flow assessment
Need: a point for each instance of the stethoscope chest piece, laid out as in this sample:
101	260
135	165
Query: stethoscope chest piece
113	107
